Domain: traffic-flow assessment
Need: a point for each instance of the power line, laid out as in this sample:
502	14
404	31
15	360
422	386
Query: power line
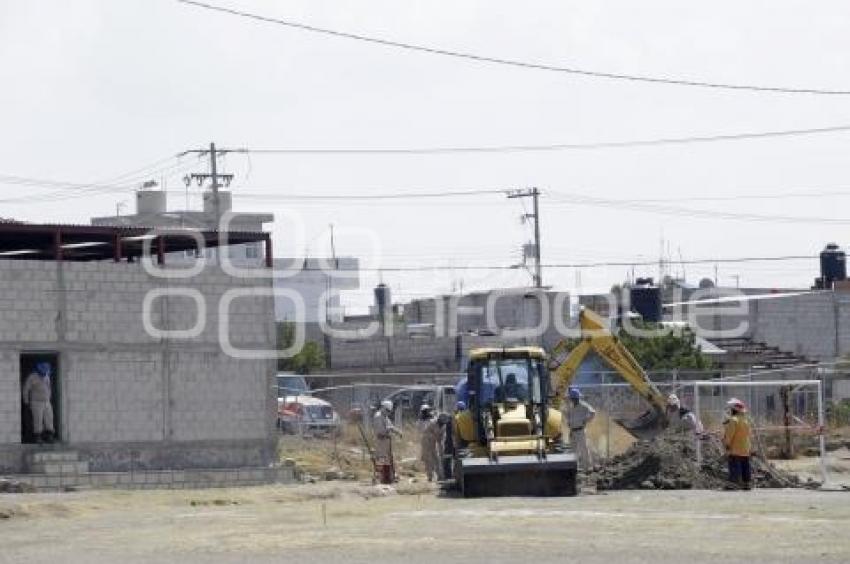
550	147
512	62
575	199
473	267
385	196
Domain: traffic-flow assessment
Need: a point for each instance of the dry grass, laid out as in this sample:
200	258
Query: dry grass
346	453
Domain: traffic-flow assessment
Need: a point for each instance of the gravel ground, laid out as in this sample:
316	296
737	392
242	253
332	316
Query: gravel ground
363	524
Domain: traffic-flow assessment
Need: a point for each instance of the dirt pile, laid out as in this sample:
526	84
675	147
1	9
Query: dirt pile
669	462
608	438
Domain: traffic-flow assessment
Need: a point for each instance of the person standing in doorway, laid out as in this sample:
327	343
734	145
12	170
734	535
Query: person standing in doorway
36	395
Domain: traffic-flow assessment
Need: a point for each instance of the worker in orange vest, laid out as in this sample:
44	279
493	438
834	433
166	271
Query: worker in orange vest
736	440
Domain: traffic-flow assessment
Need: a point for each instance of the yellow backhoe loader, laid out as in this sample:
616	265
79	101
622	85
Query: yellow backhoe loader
509	437
596	337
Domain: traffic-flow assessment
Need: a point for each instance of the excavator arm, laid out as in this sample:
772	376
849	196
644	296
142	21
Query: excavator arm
597	337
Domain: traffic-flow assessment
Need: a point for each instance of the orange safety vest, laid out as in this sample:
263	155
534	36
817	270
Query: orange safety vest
736	439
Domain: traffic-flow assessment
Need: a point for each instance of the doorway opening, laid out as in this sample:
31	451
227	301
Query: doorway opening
30	362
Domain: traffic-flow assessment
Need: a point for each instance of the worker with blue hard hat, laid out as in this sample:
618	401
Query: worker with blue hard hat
578	414
36	396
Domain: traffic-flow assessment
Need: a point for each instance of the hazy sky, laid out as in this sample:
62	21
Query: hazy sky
95	89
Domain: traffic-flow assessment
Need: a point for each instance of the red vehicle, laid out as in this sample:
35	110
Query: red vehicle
306	414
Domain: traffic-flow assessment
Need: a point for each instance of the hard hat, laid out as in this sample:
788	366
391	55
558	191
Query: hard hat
460	406
673	400
424	407
43	368
736	404
387	404
574	393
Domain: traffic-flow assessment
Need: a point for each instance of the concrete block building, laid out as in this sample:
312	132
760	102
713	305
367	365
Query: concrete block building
127	397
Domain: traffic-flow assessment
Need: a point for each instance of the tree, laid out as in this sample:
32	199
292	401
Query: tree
309	358
666	351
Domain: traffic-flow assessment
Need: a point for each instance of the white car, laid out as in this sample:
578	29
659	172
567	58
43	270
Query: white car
307	415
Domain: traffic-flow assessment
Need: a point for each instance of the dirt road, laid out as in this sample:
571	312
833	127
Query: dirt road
285	524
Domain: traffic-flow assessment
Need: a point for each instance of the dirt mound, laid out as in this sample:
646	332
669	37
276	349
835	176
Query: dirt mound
669	462
608	438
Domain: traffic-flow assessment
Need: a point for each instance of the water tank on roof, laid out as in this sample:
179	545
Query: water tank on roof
645	299
833	265
150	202
383	299
225	201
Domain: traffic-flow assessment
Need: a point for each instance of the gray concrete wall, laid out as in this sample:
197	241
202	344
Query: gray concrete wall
121	386
814	325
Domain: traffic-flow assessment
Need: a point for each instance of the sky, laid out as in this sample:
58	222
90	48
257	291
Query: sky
94	90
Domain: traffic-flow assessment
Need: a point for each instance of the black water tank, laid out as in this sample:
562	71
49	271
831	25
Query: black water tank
383	300
833	265
645	299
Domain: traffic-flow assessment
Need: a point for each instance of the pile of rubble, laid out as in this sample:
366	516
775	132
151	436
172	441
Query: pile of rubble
669	462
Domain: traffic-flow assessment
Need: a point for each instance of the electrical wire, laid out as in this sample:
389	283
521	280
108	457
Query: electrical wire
670	81
576	199
474	267
550	147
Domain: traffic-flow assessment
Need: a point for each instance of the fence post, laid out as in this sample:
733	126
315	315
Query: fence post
822	430
699	418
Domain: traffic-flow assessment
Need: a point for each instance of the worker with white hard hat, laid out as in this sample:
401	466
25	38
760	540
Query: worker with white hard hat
682	418
578	414
384	429
736	440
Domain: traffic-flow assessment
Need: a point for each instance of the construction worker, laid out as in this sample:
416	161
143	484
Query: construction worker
579	414
36	396
682	418
429	443
384	429
736	440
450	439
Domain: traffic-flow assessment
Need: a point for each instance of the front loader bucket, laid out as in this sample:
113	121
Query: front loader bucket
518	475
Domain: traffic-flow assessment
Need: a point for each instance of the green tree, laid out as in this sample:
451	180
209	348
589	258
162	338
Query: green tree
666	351
311	356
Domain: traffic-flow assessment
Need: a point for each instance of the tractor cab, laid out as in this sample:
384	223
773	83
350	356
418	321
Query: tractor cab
512	436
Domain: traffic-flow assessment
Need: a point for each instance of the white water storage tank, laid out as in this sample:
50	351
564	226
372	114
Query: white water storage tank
150	202
225	200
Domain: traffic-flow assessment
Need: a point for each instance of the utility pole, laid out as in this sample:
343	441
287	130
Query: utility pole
534	194
218	180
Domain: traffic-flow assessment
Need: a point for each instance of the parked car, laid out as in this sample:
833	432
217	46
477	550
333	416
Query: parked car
441	397
301	414
289	384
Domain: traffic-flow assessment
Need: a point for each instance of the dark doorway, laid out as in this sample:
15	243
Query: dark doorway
29	360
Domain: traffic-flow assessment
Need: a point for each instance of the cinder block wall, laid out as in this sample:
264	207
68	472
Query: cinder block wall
127	397
805	325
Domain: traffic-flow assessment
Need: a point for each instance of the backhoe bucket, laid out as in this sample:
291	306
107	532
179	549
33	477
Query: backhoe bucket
518	475
646	426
